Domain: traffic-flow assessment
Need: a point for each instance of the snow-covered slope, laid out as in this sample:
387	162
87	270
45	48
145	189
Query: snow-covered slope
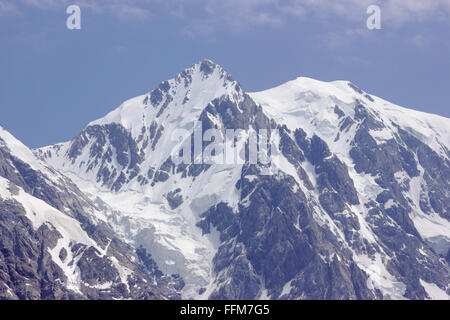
40	213
329	110
310	104
358	207
54	241
316	107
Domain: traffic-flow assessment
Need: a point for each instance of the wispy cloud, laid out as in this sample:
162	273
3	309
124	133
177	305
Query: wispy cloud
352	60
417	40
274	12
7	8
394	11
236	15
400	12
43	4
125	11
342	38
249	12
136	10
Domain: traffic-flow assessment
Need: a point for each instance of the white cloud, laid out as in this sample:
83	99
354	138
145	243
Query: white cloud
44	4
342	38
129	12
237	15
7	8
241	14
417	40
121	9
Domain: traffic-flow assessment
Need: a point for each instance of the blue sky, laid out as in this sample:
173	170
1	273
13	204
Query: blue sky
53	81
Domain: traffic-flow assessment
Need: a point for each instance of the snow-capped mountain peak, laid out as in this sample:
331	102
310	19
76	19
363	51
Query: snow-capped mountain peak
146	124
179	99
321	106
361	192
130	150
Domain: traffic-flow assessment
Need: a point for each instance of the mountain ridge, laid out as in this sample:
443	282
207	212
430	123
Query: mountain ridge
54	243
358	207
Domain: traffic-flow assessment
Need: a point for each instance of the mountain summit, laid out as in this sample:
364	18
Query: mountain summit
358	207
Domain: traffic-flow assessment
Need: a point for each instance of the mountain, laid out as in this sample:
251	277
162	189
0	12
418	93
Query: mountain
355	203
54	243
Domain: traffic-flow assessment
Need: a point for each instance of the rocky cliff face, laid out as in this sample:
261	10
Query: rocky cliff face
356	205
54	244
